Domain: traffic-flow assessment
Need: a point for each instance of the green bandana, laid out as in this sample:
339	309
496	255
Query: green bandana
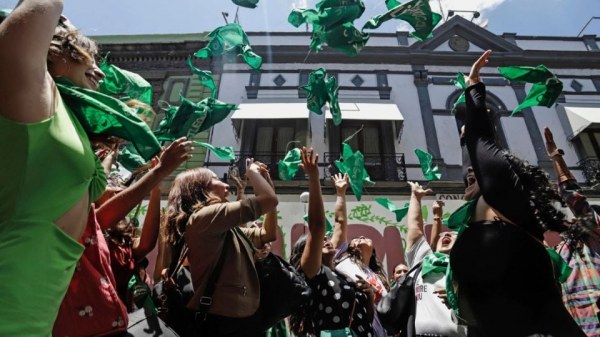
230	38
141	294
332	25
123	83
391	4
288	167
546	86
435	263
130	159
328	226
4	13
416	12
387	203
106	115
353	164
191	118
562	271
460	83
459	219
225	153
425	160
246	3
322	89
205	76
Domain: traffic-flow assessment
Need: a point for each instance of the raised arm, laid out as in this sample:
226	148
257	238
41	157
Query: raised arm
310	262
496	176
263	191
341	215
116	208
415	216
270	225
151	227
25	85
569	188
436	228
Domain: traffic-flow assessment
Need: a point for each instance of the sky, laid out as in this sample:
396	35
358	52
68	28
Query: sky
128	17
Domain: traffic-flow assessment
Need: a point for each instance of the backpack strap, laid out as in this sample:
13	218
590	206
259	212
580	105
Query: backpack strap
211	285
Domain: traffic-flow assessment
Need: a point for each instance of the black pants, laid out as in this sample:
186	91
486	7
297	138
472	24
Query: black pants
506	278
220	326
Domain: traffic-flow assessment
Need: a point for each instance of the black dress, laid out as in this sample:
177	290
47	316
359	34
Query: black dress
503	271
334	299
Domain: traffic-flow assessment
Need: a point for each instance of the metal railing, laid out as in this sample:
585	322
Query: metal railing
381	167
590	168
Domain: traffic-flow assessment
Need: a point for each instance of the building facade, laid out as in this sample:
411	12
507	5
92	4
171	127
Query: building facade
398	92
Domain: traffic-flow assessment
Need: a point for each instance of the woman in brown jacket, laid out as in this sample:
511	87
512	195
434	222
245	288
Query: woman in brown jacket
198	211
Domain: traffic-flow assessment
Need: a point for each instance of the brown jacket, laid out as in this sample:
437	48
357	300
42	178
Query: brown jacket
237	292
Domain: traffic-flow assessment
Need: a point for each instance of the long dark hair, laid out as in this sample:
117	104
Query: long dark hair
355	254
300	322
189	193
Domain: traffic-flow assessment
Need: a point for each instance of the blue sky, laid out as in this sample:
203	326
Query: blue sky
124	17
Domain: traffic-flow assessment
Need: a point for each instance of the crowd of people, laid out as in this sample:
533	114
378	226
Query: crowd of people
73	263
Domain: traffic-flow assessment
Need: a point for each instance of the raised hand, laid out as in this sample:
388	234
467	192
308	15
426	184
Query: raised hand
418	191
175	154
438	208
310	161
473	77
341	183
550	145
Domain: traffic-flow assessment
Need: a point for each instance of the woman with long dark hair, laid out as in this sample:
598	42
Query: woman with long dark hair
199	216
503	275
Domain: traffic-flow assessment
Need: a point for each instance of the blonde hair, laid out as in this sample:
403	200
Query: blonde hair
68	42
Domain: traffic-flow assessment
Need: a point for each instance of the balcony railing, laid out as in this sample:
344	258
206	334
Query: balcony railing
381	167
590	168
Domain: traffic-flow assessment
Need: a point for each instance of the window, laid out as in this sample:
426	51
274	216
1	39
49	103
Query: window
375	141
269	140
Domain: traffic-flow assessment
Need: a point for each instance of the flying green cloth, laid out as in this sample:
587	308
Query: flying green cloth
191	118
225	152
562	271
328	226
322	89
546	86
230	38
123	83
329	13
425	160
435	263
102	114
461	84
205	76
353	164
459	219
246	3
345	38
4	13
387	203
288	167
416	12
130	159
391	4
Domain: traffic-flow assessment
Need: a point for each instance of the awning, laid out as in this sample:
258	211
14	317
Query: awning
270	110
581	118
298	110
370	112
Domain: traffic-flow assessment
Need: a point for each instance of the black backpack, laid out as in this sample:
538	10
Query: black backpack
396	310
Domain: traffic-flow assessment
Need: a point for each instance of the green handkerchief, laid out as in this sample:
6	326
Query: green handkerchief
230	38
387	203
124	84
429	171
353	164
225	152
288	167
546	86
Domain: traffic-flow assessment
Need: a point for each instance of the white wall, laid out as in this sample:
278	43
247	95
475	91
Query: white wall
539	44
